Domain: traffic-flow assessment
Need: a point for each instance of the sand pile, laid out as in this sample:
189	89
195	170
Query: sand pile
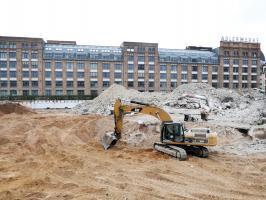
8	108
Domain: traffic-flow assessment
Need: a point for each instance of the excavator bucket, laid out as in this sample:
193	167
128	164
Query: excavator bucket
109	139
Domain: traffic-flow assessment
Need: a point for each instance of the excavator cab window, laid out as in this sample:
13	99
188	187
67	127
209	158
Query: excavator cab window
173	132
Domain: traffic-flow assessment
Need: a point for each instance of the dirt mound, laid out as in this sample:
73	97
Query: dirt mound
8	108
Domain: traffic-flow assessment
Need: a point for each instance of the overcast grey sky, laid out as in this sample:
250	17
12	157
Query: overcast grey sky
171	23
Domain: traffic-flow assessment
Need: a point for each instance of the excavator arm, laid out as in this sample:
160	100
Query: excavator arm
120	110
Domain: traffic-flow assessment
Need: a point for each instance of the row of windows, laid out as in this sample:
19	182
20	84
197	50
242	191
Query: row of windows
244	69
236	85
13	74
244	77
236	53
14	83
236	61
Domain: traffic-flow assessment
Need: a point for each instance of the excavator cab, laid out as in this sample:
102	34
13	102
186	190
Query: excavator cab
172	132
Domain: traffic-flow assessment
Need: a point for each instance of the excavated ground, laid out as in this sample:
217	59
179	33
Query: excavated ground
52	155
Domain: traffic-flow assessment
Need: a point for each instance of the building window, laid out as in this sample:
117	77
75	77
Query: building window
205	76
25	83
69	92
140	66
59	92
69	65
163	75
226	61
34	64
244	85
245	62
226	69
235	77
130	67
25	64
12	54
3	74
26	74
25	55
80	92
3	64
244	70
47	65
140	75
141	58
235	85
226	85
253	70
204	68
253	77
69	83
118	74
130	84
214	68
174	76
140	84
106	66
184	76
12	64
80	65
253	85
34	74
93	66
12	74
118	66
254	62
173	84
130	57
13	92
194	76
226	77
48	92
235	69
47	74
80	83
214	77
184	68
130	75
58	83
195	68
215	85
106	74
3	84
94	84
34	55
80	74
151	84
34	83
93	74
173	68
151	75
13	83
163	85
58	65
151	67
245	77
3	93
3	54
151	58
25	92
163	67
69	74
48	83
58	74
106	83
236	61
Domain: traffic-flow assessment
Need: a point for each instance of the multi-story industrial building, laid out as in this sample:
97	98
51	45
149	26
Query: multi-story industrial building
31	66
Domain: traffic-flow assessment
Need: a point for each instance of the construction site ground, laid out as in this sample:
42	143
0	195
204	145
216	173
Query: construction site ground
57	155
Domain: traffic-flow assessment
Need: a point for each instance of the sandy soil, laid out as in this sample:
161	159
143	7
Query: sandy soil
52	155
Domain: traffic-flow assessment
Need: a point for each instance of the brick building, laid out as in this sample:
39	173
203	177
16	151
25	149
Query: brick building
31	66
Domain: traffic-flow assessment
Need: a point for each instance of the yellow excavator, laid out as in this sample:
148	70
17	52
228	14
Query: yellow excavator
174	139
